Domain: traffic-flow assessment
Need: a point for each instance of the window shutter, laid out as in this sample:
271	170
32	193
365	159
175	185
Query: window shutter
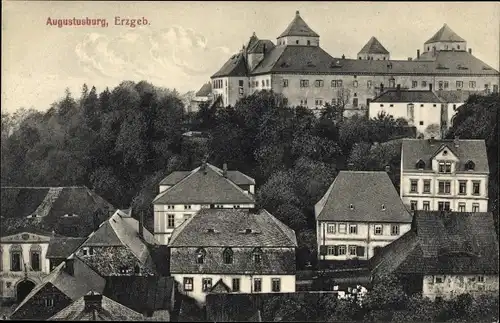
360	251
335	250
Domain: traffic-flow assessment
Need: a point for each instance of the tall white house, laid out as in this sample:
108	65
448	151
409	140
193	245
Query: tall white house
233	251
444	175
360	213
183	193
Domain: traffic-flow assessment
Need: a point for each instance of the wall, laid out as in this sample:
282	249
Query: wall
454	285
246	283
302	41
374	57
461	46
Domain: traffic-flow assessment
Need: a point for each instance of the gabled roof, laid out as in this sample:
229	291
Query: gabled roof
373	46
442	243
234	176
205	90
372	195
298	27
445	34
51	204
407	96
63	247
454	96
261	46
204	187
414	150
253	39
220	287
108	310
235	66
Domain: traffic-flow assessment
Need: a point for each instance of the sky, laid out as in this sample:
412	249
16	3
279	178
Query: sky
184	43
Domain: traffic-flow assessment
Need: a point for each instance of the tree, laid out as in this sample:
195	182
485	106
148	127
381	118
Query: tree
433	130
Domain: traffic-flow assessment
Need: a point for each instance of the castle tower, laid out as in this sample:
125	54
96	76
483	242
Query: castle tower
298	33
445	39
373	50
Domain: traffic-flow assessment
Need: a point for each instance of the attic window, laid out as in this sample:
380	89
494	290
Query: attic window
285	64
211	230
445	153
310	64
87	251
469	165
486	68
351	206
441	67
248	230
335	64
460	67
383	207
68	215
200	256
420	164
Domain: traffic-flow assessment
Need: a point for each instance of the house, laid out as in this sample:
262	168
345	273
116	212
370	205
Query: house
65	284
359	213
119	247
61	248
449	174
453	101
204	95
31	217
444	255
185	192
96	307
298	68
233	250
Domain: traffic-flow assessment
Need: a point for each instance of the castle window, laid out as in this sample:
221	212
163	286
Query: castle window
414	84
35	257
355	83
285	83
424	84
200	256
460	84
308	42
472	84
420	164
304	83
227	254
15	257
318	83
257	256
267	82
369	84
446	84
188	284
170	220
355	102
206	284
458	46
263	83
297	42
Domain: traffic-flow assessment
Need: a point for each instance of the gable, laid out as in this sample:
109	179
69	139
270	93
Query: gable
446	154
25	237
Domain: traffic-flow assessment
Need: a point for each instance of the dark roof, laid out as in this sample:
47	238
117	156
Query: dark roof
442	243
313	59
253	39
205	90
63	247
298	27
261	46
455	96
373	46
402	95
205	187
235	66
230	226
414	150
234	176
368	192
109	310
51	204
445	34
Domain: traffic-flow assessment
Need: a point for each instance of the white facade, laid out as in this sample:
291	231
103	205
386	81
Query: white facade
350	240
450	286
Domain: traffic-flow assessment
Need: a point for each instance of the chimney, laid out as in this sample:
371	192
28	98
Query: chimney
92	301
141	224
263	48
343	56
224	170
456	141
430	86
418	53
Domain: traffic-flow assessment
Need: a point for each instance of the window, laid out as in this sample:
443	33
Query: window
395	230
413	205
414	84
469	165
35	257
15	257
257	284
360	251
439	279
342	228
267	82
480	279
476	188
241	91
297	42
341	250
236	284
446	84
460	84
379	230
369	84
304	83
424	84
257	256
355	102
421	123
495	88
276	285
227	254
353	229
413	186
352	250
88	251
444	187
330	228
318	102
49	302
206	284
462	187
461	207
440	85
200	256
187	207
318	83
331	250
170	207
170	220
337	83
475	207
426	206
445	167
303	102
443	206
334	101
263	83
186	217
427	185
285	83
472	84
308	42
355	83
188	284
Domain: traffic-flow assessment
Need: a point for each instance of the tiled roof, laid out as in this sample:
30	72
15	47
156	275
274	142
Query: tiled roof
402	95
455	96
314	60
109	310
51	204
253	39
372	195
174	177
373	46
261	46
206	187
442	243
425	149
63	247
205	90
234	176
298	27
445	34
229	225
235	66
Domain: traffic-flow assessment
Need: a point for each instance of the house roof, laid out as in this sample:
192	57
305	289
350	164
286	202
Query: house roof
253	39
51	204
442	243
261	46
454	96
298	27
109	310
445	34
206	187
404	96
234	176
220	287
372	195
414	150
205	89
235	66
230	226
373	46
63	247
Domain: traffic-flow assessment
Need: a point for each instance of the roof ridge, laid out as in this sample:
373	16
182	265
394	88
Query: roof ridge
283	228
171	187
180	228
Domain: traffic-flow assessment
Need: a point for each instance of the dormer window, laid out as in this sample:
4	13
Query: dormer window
420	164
469	165
248	231
351	206
383	207
87	251
257	256
200	256
227	255
444	167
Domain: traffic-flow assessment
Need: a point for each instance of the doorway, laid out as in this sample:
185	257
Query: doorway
23	289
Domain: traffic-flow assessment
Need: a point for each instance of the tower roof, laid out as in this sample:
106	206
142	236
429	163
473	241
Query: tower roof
373	46
445	34
253	39
298	27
